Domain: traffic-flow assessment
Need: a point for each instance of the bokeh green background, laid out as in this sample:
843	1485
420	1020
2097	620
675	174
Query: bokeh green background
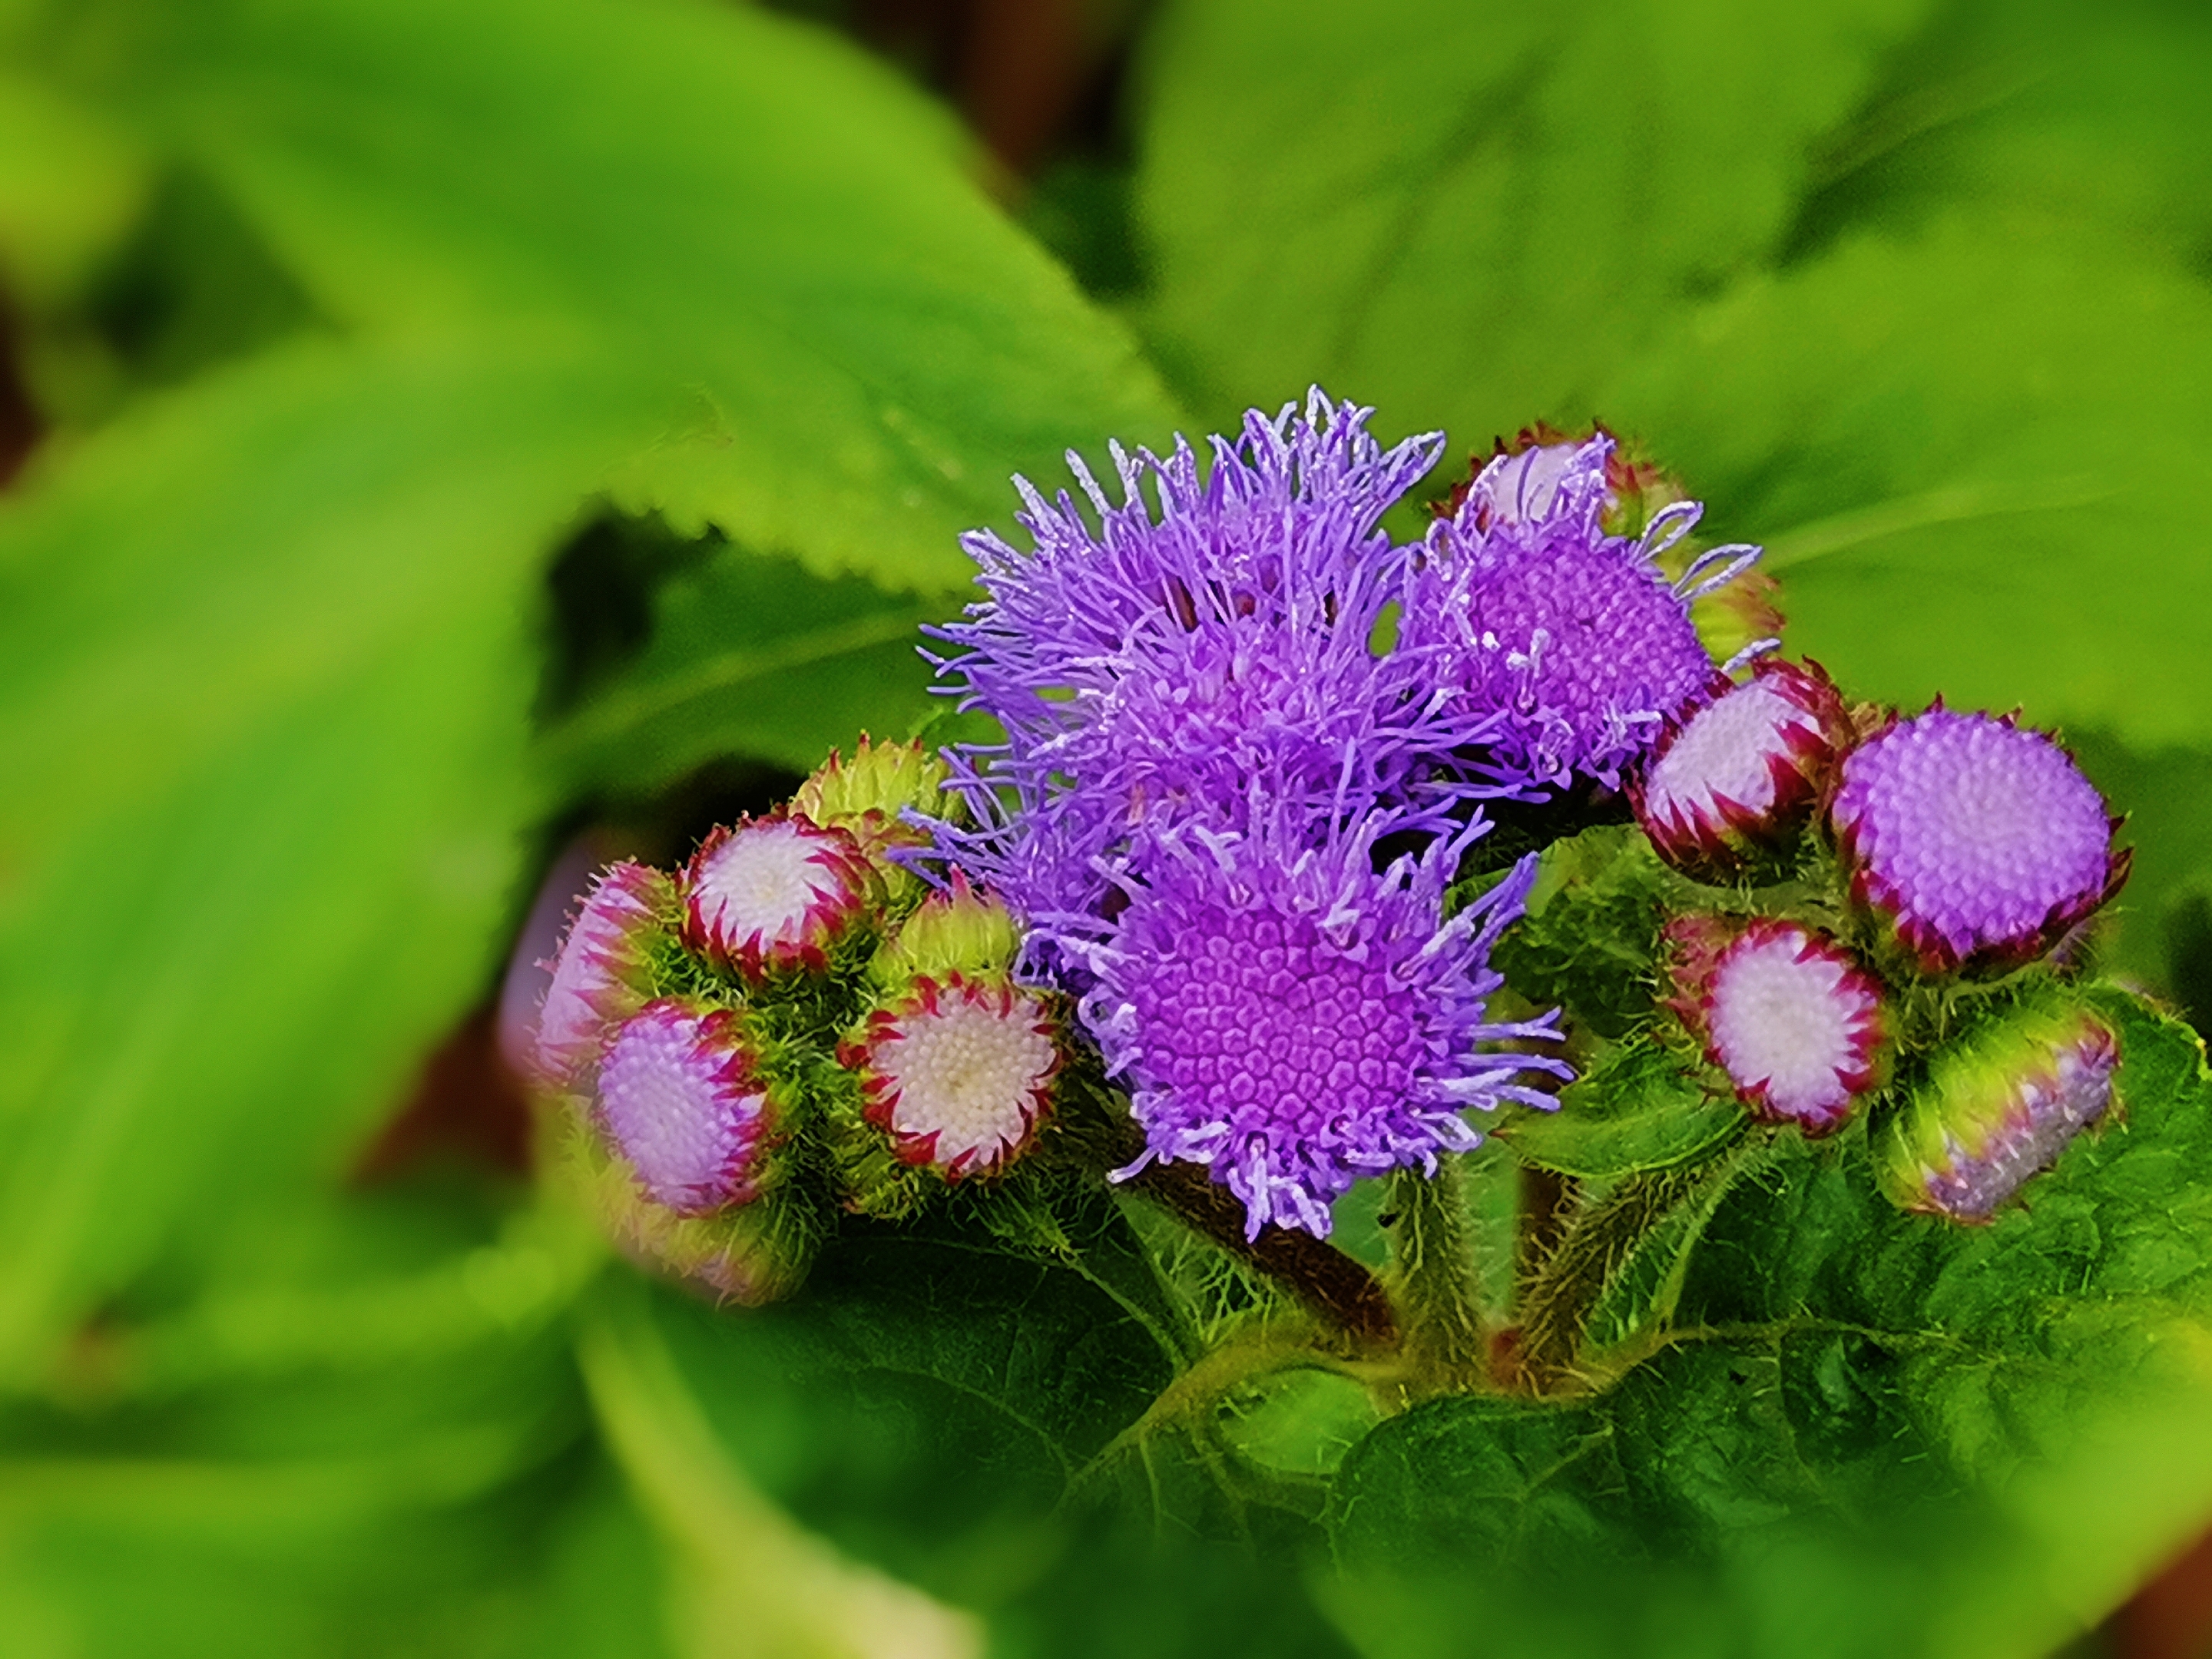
452	422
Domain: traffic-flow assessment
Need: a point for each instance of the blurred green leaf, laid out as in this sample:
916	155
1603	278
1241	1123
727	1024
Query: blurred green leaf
1873	1432
1468	216
845	347
264	708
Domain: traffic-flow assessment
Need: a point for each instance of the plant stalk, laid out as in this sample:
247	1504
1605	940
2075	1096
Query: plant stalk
1435	1276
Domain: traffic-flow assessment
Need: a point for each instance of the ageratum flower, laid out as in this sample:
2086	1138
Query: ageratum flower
1797	1025
682	1098
602	972
1573	640
1148	666
1292	1019
775	894
1743	771
1998	1105
1976	837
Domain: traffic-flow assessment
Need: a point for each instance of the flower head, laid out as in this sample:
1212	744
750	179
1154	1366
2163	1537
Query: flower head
775	895
1743	769
1573	638
682	1098
957	1071
1146	669
1292	1019
1998	1105
1797	1025
602	972
1977	838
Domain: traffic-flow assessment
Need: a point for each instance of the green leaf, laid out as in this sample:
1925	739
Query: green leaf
751	655
262	707
1467	216
1961	447
926	1401
1590	942
844	348
1873	1432
1638	1109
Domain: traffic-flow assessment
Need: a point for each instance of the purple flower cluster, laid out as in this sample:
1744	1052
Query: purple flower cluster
1210	727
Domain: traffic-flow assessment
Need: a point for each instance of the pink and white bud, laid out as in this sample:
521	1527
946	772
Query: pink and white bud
1742	772
1797	1025
776	895
603	971
958	1071
682	1098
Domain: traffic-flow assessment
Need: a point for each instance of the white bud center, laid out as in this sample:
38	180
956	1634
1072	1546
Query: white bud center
1789	1026
761	883
967	1074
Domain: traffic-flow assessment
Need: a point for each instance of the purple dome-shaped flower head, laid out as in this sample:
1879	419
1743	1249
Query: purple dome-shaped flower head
1979	839
1997	1105
1797	1025
957	1071
1574	639
1148	666
603	970
776	895
1293	1020
1741	772
682	1098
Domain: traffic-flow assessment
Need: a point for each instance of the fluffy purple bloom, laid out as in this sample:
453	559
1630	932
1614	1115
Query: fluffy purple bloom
1291	1018
1146	667
682	1098
1977	836
1574	639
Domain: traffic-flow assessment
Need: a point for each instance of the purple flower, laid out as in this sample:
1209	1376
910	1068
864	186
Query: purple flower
683	1099
1292	1019
1574	639
1977	837
1146	670
1996	1106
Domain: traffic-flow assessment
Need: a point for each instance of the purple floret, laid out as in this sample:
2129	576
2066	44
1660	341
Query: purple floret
1147	668
1976	835
1290	1017
1575	641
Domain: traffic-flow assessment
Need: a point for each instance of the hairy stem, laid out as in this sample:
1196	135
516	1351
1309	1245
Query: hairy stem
1556	1299
1327	1280
1435	1276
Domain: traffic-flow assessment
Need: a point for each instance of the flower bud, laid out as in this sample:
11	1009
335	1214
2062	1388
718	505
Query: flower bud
776	895
1797	1025
958	1072
956	929
866	796
603	971
1740	774
1975	840
682	1098
1997	1105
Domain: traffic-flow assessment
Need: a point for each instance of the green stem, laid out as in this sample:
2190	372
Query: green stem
1435	1278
